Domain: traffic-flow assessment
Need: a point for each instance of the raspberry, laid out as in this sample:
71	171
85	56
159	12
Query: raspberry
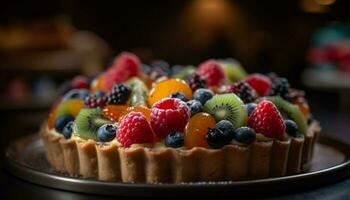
80	82
243	91
134	129
196	81
267	120
279	87
169	115
125	66
260	83
94	102
119	95
212	72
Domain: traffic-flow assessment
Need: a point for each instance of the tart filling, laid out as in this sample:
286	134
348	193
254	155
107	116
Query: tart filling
214	123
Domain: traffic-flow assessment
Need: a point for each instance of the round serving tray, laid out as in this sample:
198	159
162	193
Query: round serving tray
25	158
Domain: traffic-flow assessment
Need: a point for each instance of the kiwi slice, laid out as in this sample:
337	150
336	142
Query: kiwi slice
185	72
233	70
139	93
291	111
88	121
228	107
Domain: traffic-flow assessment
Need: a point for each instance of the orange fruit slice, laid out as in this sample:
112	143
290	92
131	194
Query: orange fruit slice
196	130
167	87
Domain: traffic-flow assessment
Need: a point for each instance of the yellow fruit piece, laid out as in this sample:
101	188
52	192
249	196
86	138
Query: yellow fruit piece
115	112
196	130
69	107
167	87
98	84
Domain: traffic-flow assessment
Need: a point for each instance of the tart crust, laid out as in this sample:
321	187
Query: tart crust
141	164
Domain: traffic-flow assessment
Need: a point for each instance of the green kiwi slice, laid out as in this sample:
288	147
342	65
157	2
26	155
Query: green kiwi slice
229	107
88	121
139	93
291	111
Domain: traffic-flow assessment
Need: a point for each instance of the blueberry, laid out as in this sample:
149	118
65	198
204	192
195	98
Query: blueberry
62	121
216	138
194	106
175	140
146	69
68	130
98	94
163	65
227	128
179	95
203	95
291	128
76	94
245	135
250	108
106	132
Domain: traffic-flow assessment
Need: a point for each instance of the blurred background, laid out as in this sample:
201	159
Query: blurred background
43	43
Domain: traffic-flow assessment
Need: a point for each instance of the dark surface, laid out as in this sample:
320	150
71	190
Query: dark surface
14	188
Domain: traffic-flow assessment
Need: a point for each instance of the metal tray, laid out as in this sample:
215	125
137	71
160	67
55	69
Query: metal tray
25	159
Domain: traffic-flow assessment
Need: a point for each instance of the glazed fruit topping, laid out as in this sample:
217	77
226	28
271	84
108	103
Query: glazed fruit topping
212	72
203	95
216	138
291	128
267	120
175	140
106	132
245	135
169	115
68	130
196	81
179	95
119	95
243	91
197	128
125	66
194	106
262	84
62	121
134	129
93	102
226	127
76	94
166	88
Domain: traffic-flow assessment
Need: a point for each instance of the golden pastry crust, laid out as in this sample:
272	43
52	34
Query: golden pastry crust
141	164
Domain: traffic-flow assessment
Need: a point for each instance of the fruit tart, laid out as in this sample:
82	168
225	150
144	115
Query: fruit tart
160	124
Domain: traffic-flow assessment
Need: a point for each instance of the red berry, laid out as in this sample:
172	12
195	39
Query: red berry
134	129
212	73
267	120
261	84
80	82
169	115
125	66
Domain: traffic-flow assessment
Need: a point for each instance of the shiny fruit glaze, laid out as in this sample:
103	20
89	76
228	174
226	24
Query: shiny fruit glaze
167	87
114	112
98	84
196	130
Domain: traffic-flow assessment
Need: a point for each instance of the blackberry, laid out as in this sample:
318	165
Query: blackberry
196	81
280	87
119	95
93	102
243	91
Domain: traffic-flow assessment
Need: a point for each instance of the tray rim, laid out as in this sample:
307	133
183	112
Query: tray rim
53	180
